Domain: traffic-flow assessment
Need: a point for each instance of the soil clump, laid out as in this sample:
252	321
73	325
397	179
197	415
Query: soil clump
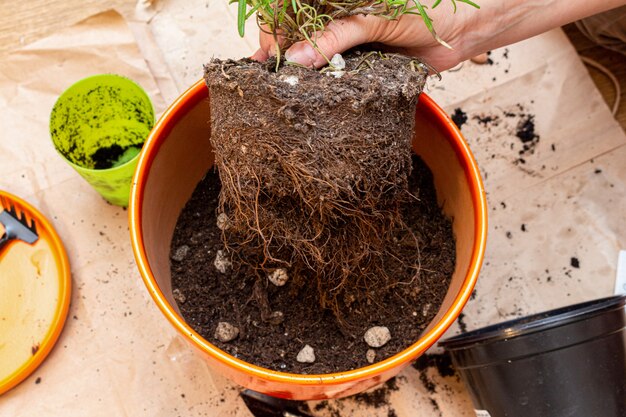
314	170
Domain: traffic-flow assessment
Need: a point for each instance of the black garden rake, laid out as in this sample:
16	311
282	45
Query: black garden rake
16	224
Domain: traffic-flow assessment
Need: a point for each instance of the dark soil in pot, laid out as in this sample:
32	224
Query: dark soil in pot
207	296
114	155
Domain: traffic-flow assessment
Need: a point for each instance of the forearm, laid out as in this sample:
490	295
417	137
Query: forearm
500	23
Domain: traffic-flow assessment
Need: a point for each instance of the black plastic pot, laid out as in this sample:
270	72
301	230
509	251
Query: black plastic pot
569	362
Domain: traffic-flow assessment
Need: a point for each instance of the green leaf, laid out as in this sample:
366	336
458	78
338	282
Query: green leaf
241	17
251	11
283	12
429	24
471	3
427	20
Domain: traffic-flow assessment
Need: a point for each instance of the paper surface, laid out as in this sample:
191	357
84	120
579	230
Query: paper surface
556	219
189	33
116	355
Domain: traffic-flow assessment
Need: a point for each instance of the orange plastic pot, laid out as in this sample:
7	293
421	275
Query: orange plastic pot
177	155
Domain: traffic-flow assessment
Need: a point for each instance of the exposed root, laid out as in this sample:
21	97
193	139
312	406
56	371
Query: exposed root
315	174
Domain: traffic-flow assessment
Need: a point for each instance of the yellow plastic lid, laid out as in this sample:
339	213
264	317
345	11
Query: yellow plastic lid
35	289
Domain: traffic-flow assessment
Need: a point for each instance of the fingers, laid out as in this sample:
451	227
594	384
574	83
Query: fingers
480	59
260	55
267	43
338	37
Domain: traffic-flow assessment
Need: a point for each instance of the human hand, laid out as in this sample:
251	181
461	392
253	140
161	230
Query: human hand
407	35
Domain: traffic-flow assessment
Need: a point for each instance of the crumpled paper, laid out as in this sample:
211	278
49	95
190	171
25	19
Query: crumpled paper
190	33
556	218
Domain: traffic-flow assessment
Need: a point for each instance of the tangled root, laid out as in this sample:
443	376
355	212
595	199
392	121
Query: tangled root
314	168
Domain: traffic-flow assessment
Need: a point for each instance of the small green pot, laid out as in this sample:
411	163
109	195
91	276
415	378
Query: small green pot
98	125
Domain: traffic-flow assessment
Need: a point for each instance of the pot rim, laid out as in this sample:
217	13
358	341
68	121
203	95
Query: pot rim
161	129
534	323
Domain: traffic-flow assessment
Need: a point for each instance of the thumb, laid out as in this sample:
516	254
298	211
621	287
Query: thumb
339	36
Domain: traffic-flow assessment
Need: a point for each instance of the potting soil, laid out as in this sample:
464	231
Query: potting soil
114	155
244	297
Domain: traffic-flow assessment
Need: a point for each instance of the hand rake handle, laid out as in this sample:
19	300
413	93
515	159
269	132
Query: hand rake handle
4	240
16	226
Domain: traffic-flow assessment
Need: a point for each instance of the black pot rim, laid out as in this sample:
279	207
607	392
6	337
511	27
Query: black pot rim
534	323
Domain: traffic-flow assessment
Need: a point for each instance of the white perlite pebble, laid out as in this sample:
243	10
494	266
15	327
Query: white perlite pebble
425	310
370	355
306	355
338	62
225	332
290	79
279	277
222	263
336	74
180	253
277	317
223	222
377	336
179	297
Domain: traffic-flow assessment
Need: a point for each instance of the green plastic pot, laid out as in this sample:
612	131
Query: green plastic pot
98	125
